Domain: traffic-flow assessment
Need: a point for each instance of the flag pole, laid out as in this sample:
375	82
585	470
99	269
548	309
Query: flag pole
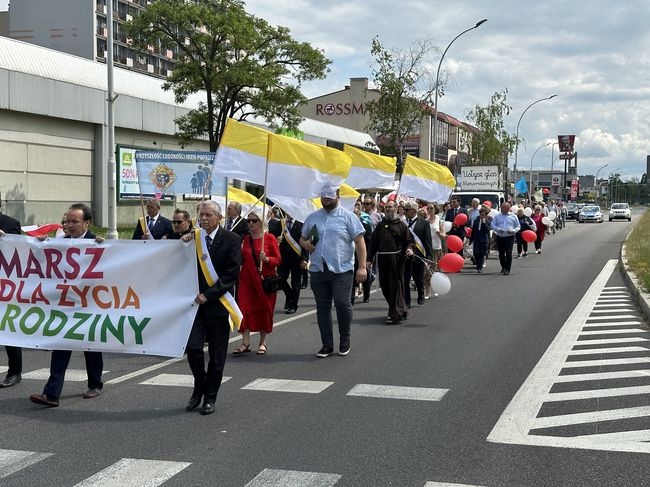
266	176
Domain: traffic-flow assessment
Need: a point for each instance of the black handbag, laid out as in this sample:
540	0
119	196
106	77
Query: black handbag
270	284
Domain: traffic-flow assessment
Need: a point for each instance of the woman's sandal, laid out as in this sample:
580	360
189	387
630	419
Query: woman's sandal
243	348
261	350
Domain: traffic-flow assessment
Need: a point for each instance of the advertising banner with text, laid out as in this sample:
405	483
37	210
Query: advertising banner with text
117	296
479	178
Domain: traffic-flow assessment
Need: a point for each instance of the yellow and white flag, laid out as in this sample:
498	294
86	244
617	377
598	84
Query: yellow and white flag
426	180
301	169
242	152
300	208
370	170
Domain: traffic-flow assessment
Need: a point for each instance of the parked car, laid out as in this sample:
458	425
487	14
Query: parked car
620	211
590	213
572	211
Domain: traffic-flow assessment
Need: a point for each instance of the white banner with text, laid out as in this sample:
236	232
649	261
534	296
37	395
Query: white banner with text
118	296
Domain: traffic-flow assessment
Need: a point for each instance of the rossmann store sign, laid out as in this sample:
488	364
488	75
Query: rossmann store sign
329	109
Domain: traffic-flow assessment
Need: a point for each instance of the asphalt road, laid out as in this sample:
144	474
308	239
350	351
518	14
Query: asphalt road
471	390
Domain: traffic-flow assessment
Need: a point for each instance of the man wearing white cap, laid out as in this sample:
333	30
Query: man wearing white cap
331	236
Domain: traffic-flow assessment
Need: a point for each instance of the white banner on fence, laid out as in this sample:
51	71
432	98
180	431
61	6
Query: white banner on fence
117	296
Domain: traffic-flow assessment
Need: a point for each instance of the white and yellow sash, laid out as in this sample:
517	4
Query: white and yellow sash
211	277
418	242
143	224
292	242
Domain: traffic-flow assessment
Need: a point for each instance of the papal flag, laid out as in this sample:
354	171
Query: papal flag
426	180
301	208
370	170
301	169
242	152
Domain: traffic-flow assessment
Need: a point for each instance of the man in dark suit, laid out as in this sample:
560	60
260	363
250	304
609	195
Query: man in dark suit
78	220
275	223
235	222
155	224
293	257
450	216
420	229
14	354
211	322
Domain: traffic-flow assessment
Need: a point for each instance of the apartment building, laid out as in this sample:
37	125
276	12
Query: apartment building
79	27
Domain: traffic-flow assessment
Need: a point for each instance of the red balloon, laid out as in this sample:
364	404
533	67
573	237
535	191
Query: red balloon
529	236
454	243
451	263
487	203
460	219
468	231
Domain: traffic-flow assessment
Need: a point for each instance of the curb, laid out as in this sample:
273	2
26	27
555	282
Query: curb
641	297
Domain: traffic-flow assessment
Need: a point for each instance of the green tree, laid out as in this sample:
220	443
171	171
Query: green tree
492	143
405	88
245	66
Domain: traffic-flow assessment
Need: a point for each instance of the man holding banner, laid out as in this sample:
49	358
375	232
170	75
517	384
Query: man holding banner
293	257
14	354
155	224
219	258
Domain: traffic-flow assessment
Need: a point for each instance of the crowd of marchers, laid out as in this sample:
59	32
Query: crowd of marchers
399	243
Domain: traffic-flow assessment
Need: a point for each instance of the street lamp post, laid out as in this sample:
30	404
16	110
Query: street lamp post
519	122
596	182
530	186
552	163
435	102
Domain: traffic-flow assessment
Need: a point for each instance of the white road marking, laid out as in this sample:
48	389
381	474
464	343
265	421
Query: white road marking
610	311
292	478
398	392
591	417
176	380
611	361
3	369
592	351
621	374
12	461
613	323
520	416
134	472
609	288
618	307
613	392
287	385
446	484
172	361
599	318
611	332
640	435
71	375
612	300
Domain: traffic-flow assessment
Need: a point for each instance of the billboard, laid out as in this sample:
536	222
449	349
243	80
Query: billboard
163	174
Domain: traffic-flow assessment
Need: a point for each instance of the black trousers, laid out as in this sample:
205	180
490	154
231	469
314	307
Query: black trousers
15	359
413	267
291	290
504	246
215	331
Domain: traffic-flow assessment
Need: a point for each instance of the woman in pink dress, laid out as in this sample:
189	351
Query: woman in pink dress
256	305
541	228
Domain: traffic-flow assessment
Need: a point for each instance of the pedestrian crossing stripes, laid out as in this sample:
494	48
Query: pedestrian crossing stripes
286	385
175	380
567	400
12	461
71	375
398	392
134	472
138	472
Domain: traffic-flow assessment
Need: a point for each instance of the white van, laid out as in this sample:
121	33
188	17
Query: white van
466	197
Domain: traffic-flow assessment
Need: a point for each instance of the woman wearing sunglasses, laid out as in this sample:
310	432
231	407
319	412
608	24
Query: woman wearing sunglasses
256	305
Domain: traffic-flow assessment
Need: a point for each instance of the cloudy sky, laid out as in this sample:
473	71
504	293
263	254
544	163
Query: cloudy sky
593	54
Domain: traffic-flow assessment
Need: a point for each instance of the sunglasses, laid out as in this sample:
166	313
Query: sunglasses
178	222
252	220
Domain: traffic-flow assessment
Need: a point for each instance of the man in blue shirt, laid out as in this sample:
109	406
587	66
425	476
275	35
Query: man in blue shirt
505	225
331	235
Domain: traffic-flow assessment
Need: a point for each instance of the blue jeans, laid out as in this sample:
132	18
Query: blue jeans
59	365
327	287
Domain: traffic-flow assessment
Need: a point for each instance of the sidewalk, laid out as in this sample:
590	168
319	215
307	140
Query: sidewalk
642	298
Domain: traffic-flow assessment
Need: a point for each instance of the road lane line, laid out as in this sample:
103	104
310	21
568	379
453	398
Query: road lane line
12	461
134	472
398	392
293	478
288	385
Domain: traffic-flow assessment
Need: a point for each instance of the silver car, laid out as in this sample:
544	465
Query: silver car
590	213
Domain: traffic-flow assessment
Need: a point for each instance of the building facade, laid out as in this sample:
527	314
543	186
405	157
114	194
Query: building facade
348	108
80	28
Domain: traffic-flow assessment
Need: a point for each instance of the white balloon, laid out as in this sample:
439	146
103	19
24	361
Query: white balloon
447	226
493	213
546	221
440	283
551	215
528	211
